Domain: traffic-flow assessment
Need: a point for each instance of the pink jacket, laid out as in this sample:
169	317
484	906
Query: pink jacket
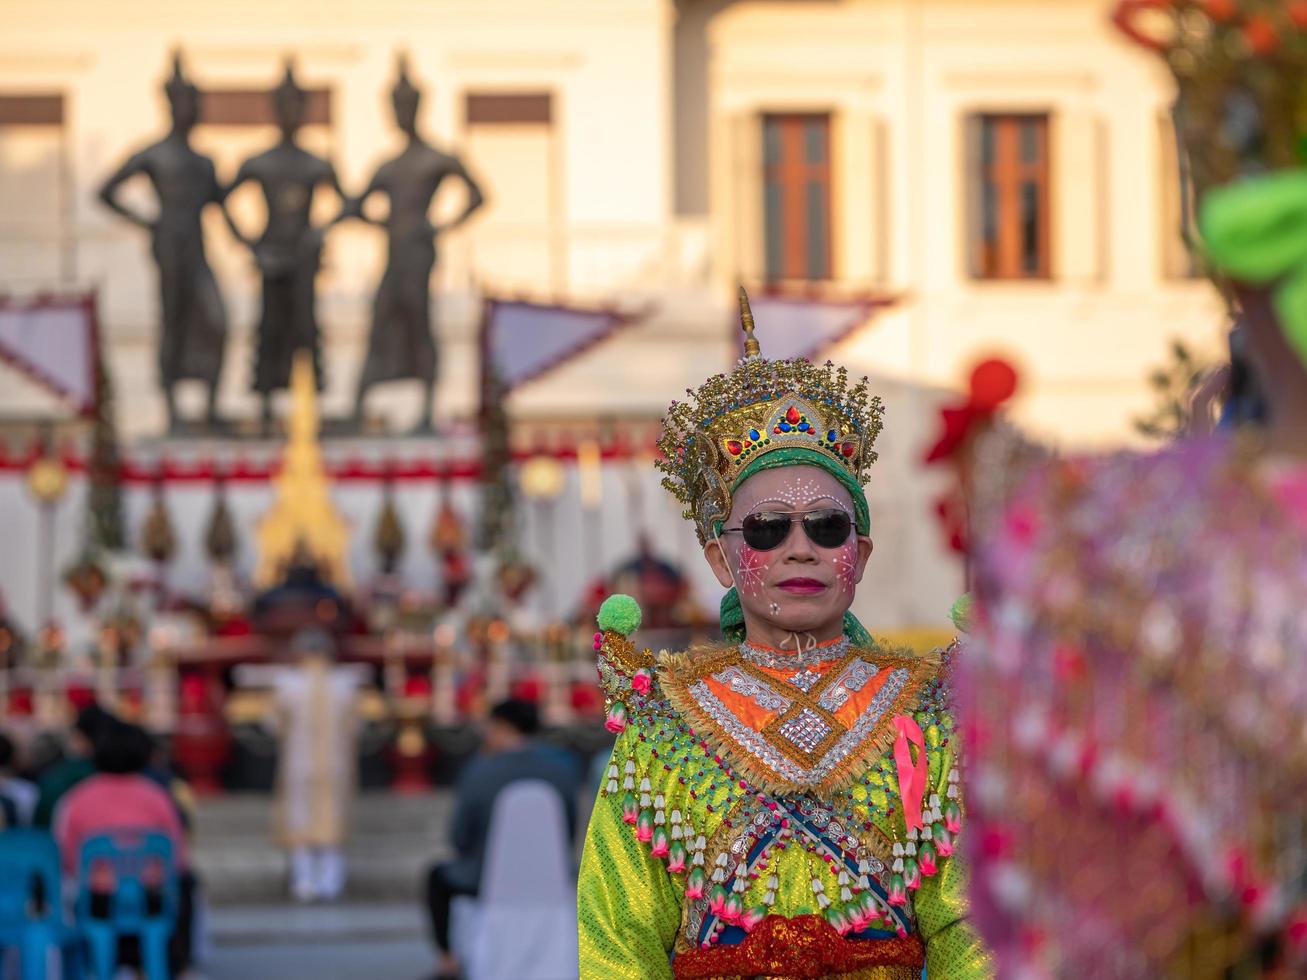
105	802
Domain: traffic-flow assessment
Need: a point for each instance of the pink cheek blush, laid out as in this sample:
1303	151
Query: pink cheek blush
753	570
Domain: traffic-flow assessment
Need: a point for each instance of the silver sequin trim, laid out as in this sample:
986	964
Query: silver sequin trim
853	678
750	687
804	679
758	746
778	660
806	729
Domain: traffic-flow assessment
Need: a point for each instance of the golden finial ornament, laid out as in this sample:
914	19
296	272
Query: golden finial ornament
303	520
751	346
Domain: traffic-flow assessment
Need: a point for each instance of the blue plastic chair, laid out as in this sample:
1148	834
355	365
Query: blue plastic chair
141	866
31	904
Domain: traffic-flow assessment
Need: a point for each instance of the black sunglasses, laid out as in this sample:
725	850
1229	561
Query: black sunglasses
765	530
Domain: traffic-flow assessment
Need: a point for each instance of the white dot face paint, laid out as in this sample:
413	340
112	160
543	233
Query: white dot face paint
846	565
798	493
796	586
753	569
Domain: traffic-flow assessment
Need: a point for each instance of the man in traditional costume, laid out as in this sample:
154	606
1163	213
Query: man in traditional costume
1135	687
784	804
314	713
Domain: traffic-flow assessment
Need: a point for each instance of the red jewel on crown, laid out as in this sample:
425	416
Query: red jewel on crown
792	416
734	447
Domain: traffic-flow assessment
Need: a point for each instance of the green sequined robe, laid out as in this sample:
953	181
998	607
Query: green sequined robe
750	823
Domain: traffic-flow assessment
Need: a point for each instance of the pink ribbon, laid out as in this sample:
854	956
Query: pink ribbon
913	776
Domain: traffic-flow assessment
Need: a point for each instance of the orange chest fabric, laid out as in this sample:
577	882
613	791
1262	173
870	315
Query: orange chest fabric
802	723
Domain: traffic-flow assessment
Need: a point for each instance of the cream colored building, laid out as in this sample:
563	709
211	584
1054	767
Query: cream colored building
1002	167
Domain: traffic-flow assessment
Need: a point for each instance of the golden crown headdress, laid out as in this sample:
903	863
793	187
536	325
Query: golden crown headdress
762	407
1239	66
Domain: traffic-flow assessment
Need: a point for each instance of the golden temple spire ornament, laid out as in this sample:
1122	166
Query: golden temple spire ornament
303	523
751	346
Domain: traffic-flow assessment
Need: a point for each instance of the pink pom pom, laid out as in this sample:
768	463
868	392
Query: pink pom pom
695	884
926	861
943	841
952	817
717	900
733	910
898	892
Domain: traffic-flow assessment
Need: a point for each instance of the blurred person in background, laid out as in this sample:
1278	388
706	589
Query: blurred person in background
76	765
510	751
119	795
315	702
1134	687
18	796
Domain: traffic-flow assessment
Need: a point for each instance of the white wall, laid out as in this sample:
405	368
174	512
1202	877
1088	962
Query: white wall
900	77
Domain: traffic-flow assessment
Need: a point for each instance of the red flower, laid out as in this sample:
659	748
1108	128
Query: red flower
1261	36
1297	11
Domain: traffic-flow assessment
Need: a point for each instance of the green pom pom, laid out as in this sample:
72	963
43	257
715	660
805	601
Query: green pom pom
961	613
620	613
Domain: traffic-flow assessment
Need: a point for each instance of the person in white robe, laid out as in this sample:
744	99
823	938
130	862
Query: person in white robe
315	716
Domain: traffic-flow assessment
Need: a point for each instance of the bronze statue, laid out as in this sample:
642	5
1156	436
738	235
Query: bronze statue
401	344
194	324
289	251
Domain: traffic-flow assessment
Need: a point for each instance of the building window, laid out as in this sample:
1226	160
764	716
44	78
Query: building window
1010	208
519	240
509	108
796	195
37	234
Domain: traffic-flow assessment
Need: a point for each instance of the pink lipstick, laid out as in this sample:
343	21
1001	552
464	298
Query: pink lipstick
802	586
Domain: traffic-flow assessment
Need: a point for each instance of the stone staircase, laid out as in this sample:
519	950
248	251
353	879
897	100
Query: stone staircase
393	839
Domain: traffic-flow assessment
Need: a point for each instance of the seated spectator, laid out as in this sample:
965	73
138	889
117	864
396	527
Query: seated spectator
509	752
17	796
120	795
77	763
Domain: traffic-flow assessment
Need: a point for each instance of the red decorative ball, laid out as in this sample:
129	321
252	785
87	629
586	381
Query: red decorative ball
1261	35
1221	11
993	382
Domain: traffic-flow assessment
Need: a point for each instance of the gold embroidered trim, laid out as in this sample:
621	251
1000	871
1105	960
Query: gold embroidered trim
680	672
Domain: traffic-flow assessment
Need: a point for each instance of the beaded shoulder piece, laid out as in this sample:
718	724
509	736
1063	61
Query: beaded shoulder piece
624	671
